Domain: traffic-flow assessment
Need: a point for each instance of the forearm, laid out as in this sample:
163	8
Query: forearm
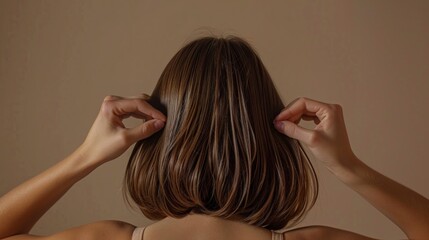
25	204
406	208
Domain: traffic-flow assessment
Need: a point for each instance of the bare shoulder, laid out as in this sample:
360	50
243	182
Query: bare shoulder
322	232
107	229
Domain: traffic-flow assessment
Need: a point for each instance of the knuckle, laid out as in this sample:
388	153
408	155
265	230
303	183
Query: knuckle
336	108
108	98
107	107
144	128
302	99
331	108
107	104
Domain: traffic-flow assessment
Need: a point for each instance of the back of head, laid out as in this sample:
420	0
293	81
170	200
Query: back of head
219	153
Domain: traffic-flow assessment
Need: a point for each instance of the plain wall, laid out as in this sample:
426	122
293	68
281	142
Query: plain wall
58	59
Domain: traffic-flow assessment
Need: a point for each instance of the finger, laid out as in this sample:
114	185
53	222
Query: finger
137	114
144	130
112	97
300	107
141	96
138	106
115	97
294	131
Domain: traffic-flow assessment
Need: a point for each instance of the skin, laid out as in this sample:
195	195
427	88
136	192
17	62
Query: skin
108	138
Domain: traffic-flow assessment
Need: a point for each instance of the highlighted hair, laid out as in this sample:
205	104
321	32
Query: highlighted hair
219	153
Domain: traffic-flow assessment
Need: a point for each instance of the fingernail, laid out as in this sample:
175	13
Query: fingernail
279	124
159	124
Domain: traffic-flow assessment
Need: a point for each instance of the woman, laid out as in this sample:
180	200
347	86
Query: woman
217	157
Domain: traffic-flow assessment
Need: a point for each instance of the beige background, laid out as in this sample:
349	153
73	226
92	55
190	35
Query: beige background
58	59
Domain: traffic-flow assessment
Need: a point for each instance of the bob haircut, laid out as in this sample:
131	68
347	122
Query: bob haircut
219	153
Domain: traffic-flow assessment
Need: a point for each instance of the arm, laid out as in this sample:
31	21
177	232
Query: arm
329	143
108	138
403	206
22	207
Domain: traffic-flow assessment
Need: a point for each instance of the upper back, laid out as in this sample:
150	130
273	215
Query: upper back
138	234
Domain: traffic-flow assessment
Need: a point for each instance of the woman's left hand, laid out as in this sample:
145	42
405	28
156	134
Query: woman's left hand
108	137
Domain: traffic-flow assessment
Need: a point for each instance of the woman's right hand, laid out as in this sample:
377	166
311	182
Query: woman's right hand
328	141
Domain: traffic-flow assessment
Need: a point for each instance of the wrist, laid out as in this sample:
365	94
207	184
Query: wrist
80	162
351	173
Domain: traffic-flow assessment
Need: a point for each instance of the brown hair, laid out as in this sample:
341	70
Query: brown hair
219	153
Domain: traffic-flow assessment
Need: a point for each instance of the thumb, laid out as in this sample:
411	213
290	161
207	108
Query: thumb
294	131
145	129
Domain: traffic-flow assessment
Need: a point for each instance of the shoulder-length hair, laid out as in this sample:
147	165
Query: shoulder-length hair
219	153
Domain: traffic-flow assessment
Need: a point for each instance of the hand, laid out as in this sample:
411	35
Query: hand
108	137
328	141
